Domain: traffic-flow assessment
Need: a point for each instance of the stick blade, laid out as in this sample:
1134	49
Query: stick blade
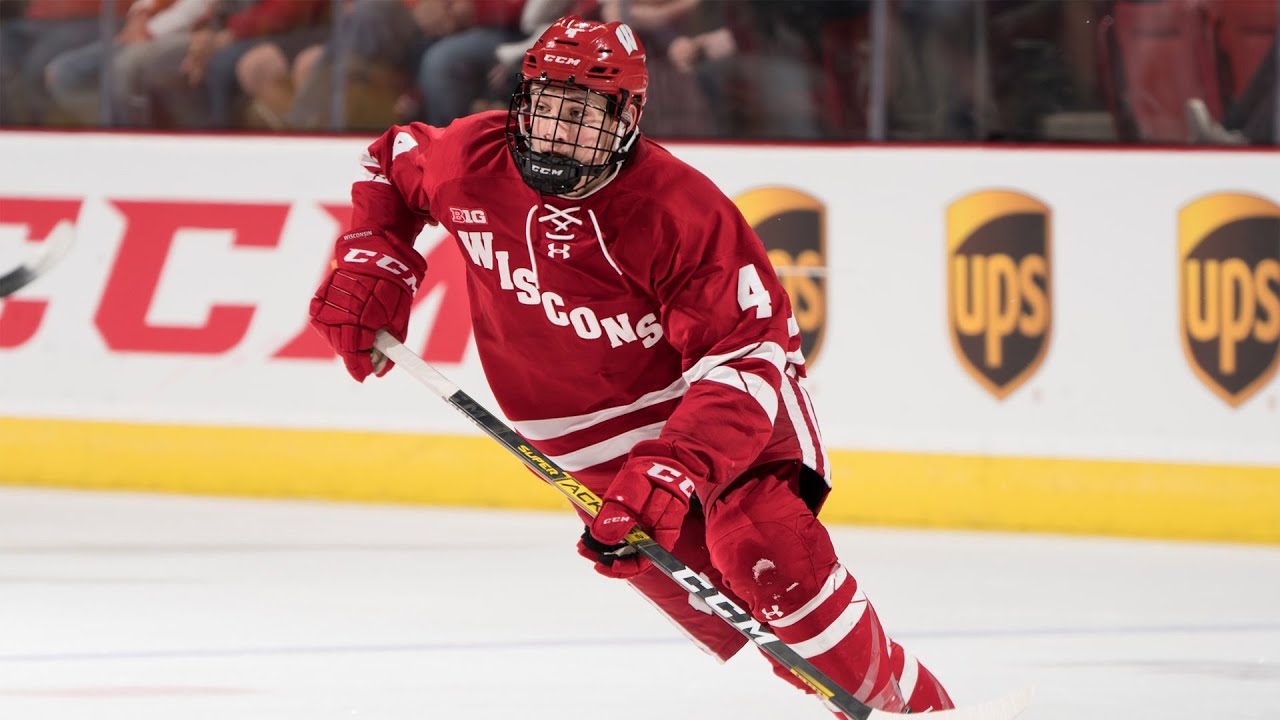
54	247
1005	707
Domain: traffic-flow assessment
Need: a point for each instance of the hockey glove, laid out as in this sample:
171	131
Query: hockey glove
651	490
619	561
370	287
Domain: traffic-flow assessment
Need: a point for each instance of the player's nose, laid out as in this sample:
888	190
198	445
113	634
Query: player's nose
547	133
548	128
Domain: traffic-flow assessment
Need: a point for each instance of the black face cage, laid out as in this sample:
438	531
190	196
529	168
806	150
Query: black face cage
557	172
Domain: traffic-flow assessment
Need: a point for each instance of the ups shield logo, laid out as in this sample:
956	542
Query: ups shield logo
1229	292
998	286
792	226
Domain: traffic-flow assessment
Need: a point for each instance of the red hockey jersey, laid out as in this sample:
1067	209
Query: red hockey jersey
646	309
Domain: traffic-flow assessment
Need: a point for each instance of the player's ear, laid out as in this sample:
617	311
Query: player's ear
627	119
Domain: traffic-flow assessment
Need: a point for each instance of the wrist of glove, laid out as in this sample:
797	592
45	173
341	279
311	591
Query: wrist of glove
653	491
619	561
370	287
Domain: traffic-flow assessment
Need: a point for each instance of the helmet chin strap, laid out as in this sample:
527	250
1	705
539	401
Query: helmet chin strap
553	174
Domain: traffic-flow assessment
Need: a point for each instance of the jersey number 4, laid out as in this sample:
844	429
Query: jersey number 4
751	292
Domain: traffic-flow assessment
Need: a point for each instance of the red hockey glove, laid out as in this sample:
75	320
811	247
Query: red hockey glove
651	490
371	287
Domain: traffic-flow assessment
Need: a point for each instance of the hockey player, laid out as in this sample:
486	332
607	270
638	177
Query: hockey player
630	324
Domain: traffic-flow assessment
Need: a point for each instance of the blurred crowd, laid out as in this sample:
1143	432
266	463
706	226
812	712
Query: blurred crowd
1167	71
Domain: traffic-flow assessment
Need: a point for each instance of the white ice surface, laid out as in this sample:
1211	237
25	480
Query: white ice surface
151	607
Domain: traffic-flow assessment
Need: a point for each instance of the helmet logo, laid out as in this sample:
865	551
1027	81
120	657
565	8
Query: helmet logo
561	60
546	170
627	38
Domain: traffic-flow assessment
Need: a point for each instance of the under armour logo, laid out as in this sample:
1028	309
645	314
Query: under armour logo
773	613
561	251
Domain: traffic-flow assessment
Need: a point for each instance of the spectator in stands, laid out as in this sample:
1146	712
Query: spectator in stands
759	66
454	70
1043	67
1250	119
28	43
677	104
447	44
535	18
268	78
155	32
202	89
376	49
939	38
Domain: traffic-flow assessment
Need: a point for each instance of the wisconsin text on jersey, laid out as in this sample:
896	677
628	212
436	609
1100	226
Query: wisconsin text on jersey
618	329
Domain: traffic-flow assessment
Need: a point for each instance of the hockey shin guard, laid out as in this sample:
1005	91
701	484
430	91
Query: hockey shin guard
785	568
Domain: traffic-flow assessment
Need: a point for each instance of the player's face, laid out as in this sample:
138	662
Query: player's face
571	123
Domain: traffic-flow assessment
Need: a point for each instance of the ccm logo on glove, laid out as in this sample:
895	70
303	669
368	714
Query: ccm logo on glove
386	262
652	491
668	474
370	287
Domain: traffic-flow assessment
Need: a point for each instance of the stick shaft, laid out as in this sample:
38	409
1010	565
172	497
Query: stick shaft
589	502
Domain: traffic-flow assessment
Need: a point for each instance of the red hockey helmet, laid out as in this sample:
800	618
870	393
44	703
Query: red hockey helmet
605	57
602	60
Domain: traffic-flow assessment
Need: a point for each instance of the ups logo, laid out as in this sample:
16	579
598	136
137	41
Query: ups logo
1229	292
792	226
998	286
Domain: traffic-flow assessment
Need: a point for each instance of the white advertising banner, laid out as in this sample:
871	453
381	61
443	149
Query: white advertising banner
1093	303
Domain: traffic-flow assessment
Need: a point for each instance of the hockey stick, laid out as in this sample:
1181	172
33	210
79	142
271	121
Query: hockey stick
1004	708
55	246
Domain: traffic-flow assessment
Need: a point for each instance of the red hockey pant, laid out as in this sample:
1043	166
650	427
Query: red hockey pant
761	545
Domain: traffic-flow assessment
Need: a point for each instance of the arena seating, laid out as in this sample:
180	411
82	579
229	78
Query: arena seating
1155	56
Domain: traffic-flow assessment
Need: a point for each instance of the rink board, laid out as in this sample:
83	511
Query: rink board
874	488
998	338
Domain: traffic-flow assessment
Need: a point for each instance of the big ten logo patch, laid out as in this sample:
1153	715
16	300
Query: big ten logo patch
999	304
1229	291
792	226
471	216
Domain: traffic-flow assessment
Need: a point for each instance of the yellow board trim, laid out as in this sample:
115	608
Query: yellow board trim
1094	497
